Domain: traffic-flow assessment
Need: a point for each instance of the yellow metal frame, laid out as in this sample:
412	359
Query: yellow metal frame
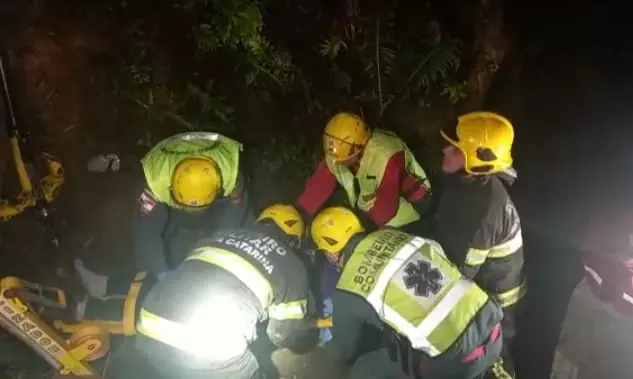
125	327
50	184
67	356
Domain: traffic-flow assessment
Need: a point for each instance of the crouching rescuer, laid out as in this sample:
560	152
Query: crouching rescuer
199	321
378	173
401	308
194	183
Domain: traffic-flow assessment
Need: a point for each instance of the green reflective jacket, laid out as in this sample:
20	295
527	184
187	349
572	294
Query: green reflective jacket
413	288
161	161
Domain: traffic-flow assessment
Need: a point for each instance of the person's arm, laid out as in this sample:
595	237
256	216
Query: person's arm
417	192
463	233
319	187
329	278
388	193
464	245
290	323
150	220
477	252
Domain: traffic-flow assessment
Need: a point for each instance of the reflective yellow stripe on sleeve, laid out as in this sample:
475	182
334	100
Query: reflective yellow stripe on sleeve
509	247
512	296
239	267
161	329
294	310
477	257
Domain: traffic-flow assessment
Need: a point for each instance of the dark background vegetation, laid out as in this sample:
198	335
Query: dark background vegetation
117	76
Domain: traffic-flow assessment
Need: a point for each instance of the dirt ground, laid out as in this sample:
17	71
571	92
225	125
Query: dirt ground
125	364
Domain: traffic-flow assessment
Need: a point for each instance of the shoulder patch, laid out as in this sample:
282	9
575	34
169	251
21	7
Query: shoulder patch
147	202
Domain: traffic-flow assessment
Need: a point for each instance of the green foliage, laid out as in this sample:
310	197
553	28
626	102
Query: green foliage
238	26
372	70
238	44
172	107
332	47
396	73
211	105
432	63
454	91
141	75
227	33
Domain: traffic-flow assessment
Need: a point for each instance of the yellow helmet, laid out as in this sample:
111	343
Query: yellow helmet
333	227
344	137
485	139
286	217
196	182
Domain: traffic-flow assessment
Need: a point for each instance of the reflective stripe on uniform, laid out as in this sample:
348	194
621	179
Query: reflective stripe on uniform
360	187
432	335
375	296
239	267
598	279
476	257
593	274
163	330
511	296
294	310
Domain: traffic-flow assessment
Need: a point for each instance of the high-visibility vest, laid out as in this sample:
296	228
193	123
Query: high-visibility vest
414	288
380	148
161	161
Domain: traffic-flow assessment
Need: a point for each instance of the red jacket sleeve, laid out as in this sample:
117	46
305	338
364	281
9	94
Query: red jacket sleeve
388	192
319	187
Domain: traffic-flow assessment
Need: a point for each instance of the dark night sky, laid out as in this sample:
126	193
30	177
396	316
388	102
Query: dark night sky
574	119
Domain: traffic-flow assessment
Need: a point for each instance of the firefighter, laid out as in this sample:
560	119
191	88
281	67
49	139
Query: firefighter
477	223
198	321
194	182
377	171
401	308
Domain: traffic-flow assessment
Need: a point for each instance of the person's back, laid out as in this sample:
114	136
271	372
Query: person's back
478	238
193	183
210	305
401	288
